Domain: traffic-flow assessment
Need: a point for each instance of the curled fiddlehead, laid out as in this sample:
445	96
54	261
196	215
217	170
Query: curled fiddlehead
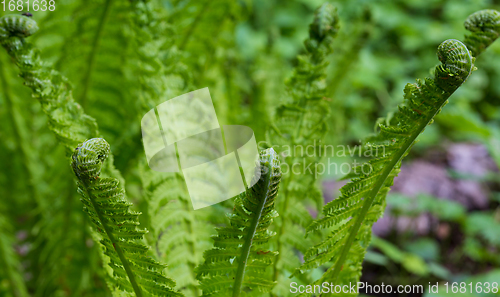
108	210
456	65
362	201
17	25
237	264
484	26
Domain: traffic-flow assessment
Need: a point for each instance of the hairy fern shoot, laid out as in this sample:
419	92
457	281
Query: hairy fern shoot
362	200
108	210
237	264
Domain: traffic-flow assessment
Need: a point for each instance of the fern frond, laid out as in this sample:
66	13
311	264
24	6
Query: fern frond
66	117
237	263
179	233
108	210
301	122
484	26
362	200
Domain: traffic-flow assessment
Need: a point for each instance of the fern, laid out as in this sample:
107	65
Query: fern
179	234
302	123
236	266
485	27
362	201
66	118
105	204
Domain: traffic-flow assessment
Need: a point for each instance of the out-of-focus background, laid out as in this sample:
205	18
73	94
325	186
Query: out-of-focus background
442	221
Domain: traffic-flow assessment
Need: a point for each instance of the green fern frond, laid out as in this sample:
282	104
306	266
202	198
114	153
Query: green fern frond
237	264
301	122
66	117
108	210
362	201
484	26
179	234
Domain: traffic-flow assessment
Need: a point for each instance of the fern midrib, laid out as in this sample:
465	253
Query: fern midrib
93	52
245	249
125	263
379	183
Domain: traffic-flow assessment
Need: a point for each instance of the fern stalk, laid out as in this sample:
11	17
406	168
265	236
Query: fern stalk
252	229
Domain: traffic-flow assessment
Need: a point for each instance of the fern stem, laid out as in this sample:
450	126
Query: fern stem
376	188
93	51
125	263
245	250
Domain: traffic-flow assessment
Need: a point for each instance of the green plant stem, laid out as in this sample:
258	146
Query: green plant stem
93	52
376	188
125	263
245	249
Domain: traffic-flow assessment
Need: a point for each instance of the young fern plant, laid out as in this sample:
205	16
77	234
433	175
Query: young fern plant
302	122
236	266
362	201
66	118
72	126
108	210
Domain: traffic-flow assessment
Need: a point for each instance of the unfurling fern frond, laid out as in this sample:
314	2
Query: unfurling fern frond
302	122
485	28
107	208
66	118
362	201
237	264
